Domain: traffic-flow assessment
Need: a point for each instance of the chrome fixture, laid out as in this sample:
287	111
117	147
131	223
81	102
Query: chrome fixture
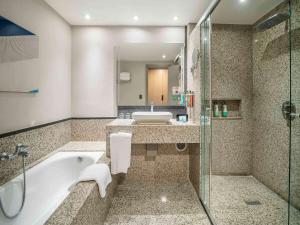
152	106
289	112
272	21
23	151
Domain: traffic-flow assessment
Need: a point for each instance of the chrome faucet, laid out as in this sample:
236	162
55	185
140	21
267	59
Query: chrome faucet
21	150
152	106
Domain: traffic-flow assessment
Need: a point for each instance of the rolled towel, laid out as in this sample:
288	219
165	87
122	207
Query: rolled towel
98	172
120	152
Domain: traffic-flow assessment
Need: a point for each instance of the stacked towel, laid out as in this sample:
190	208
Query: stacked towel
120	152
99	173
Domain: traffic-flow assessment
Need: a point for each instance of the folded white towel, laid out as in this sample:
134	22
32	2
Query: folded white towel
120	152
99	173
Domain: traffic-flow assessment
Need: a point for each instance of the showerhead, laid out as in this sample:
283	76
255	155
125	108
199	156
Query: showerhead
272	21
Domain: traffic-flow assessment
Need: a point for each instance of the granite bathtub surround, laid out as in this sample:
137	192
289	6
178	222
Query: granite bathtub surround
89	129
231	66
45	140
84	204
42	141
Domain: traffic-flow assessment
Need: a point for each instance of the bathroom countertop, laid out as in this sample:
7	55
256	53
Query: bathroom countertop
131	122
175	132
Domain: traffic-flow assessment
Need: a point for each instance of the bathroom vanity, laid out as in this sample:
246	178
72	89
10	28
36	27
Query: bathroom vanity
174	132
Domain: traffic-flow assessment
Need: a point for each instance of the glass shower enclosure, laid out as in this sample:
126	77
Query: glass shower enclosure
257	181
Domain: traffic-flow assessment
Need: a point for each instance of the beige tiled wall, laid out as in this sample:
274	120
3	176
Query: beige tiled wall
271	79
89	129
232	79
168	166
41	141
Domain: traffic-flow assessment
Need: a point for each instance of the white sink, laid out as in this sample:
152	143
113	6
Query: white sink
152	117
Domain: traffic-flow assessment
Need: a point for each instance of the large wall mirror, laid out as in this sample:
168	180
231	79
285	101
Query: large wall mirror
150	73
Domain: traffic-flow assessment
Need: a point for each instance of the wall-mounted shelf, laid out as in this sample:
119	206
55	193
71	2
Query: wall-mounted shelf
227	118
233	108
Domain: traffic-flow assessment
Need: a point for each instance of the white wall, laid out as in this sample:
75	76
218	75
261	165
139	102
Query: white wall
94	64
51	71
129	91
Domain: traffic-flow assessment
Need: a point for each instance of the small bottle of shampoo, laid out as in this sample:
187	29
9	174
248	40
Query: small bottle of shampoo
216	110
225	111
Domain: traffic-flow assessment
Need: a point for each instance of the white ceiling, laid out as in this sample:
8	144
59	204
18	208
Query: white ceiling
121	12
149	52
247	12
159	12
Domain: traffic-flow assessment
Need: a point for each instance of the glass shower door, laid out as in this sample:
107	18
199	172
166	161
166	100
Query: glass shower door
294	188
205	82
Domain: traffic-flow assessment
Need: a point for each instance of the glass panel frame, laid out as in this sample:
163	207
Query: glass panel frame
205	114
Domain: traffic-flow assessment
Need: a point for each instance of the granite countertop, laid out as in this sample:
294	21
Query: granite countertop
175	132
131	122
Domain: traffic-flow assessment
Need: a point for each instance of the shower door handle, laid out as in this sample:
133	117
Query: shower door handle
295	115
289	112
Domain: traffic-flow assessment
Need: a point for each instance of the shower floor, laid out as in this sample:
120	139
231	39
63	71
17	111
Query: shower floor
156	204
228	203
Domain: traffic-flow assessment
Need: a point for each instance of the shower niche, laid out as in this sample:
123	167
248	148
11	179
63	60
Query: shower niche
233	108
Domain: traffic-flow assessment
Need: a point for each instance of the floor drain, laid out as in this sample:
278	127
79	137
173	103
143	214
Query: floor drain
250	202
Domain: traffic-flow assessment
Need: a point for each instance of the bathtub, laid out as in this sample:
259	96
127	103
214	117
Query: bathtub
48	184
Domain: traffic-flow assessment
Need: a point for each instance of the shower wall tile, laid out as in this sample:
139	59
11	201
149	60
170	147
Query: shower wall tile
271	89
89	129
295	138
194	167
42	141
232	79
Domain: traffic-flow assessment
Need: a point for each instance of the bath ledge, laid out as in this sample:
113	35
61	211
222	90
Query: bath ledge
68	211
70	146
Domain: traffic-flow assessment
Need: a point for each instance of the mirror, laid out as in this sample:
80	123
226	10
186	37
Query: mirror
150	73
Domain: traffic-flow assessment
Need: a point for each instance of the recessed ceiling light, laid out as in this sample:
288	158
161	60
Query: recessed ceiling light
87	16
175	18
164	199
164	56
136	18
242	1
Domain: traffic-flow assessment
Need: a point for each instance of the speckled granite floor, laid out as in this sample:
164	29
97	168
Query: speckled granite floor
142	204
228	203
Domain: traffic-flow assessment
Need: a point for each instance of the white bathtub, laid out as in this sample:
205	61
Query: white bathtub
48	185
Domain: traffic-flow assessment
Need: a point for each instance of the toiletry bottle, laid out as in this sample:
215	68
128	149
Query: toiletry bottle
225	111
216	110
